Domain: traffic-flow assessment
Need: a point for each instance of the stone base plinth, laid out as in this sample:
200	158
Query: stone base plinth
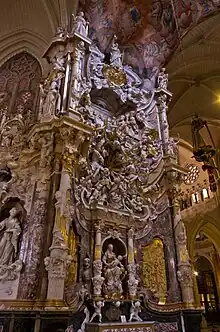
121	327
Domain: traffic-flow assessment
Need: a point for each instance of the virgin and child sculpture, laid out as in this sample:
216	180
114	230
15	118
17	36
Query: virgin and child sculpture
114	273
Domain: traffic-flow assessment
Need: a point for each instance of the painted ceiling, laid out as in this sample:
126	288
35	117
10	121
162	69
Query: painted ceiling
148	30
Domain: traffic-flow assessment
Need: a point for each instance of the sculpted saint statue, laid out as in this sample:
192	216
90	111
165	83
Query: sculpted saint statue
80	24
52	102
116	57
8	244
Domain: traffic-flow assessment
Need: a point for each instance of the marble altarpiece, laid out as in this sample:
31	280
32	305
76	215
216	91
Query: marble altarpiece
90	224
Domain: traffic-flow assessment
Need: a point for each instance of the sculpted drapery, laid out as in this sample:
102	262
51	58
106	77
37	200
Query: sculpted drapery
8	244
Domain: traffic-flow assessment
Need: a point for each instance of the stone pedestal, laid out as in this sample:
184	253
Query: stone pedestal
57	265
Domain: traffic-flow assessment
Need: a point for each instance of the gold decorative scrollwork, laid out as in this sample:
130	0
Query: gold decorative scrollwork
154	270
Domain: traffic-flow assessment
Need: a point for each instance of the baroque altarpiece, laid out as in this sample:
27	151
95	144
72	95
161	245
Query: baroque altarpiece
90	230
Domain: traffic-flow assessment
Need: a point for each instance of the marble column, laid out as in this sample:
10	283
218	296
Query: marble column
184	273
132	270
30	279
97	279
57	264
98	242
130	246
173	286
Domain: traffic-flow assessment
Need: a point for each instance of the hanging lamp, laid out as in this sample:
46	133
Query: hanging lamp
204	152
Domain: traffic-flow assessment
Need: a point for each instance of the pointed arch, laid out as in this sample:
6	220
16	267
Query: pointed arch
209	226
19	80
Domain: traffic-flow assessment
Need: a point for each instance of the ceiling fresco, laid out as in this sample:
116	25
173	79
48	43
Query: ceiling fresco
146	30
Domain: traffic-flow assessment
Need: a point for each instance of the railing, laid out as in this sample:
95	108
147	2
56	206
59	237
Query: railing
195	195
196	199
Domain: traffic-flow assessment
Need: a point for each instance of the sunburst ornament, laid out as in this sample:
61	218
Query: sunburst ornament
114	75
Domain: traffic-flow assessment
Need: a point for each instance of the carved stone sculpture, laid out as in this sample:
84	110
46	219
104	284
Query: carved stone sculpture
85	321
60	32
122	154
116	56
162	79
10	266
80	25
98	311
52	102
132	280
56	265
97	280
86	277
114	272
9	240
70	329
134	311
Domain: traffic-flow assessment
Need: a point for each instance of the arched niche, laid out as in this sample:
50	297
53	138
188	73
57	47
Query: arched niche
108	103
11	231
19	81
119	246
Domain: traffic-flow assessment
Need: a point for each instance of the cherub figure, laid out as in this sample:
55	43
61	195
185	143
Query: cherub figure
134	311
98	311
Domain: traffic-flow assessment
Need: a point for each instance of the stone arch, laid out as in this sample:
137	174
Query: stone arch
118	243
207	258
209	226
23	40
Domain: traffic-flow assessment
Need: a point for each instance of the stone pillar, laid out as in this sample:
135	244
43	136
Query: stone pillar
97	279
174	291
132	270
56	265
29	287
130	246
185	272
98	242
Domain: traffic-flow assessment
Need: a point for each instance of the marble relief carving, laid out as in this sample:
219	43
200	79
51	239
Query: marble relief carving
114	273
93	179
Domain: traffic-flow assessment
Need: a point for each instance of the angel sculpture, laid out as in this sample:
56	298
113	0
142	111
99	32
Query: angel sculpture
134	311
98	311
